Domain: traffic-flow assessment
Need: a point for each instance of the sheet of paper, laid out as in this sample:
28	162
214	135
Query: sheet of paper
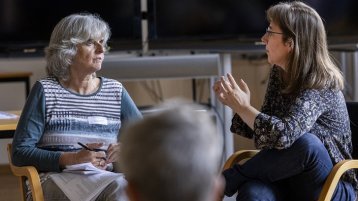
6	115
83	168
84	181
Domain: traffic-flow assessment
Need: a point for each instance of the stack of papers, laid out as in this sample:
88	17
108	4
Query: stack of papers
6	115
83	168
84	181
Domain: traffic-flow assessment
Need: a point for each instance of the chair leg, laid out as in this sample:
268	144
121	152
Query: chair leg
22	187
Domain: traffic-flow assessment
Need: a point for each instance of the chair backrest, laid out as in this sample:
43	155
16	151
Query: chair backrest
353	116
26	172
21	179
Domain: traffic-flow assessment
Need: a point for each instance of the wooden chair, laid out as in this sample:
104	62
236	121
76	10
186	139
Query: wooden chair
27	172
239	157
338	170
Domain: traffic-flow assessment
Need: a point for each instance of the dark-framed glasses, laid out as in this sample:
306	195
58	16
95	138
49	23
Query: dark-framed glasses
269	32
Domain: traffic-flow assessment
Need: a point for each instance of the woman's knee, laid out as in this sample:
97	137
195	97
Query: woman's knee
52	192
257	190
314	154
114	191
311	145
308	140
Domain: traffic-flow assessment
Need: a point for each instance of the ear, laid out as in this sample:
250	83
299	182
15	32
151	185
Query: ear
132	192
290	43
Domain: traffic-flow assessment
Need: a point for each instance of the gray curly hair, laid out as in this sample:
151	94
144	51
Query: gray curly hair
67	34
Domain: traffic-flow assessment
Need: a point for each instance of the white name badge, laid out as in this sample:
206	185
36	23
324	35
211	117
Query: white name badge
97	120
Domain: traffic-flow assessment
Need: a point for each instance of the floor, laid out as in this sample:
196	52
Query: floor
9	188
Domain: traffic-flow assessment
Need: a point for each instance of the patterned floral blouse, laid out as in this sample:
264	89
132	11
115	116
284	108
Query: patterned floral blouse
283	120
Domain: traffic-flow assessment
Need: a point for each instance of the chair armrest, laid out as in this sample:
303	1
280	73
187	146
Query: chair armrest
32	176
239	156
333	178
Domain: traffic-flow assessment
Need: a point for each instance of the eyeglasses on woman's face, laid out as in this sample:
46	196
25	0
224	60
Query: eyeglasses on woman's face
270	33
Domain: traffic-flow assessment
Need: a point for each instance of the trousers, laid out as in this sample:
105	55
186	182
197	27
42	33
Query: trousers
296	173
115	191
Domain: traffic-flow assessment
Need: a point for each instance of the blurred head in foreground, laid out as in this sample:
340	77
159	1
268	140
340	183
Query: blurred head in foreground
173	155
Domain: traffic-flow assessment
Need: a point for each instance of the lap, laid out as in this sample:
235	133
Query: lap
258	191
304	167
115	191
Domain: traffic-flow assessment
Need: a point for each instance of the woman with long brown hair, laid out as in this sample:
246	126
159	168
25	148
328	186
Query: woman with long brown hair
303	126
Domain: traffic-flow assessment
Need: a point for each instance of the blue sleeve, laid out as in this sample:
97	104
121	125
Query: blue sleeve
238	126
28	133
130	111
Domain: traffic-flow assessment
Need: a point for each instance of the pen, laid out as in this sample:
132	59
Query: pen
89	149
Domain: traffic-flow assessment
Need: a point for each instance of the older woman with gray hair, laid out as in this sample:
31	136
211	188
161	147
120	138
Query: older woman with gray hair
73	105
173	155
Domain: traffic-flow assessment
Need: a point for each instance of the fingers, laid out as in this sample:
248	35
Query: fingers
113	147
231	80
218	91
94	145
84	156
100	163
233	85
244	86
221	86
113	152
99	154
112	157
99	159
216	86
225	85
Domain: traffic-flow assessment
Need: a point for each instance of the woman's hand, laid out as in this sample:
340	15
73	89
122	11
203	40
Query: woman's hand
217	87
97	158
113	152
237	97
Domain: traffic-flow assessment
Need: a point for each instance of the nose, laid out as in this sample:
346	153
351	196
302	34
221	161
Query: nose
264	38
99	47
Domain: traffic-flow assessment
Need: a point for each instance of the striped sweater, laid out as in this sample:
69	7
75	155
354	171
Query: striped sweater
72	118
54	120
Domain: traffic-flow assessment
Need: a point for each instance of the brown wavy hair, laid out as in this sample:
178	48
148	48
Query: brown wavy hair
310	66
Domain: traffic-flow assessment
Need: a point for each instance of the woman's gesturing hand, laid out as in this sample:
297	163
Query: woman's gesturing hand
237	97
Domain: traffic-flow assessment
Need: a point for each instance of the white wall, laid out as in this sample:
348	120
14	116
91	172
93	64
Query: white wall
255	73
13	94
15	98
144	92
